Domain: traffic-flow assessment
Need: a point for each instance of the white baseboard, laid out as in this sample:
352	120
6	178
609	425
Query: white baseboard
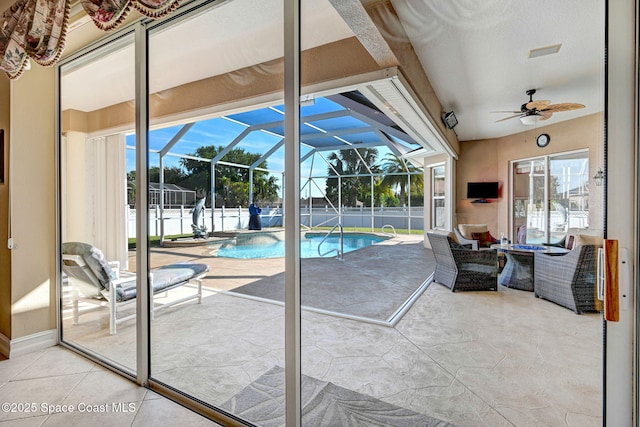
23	345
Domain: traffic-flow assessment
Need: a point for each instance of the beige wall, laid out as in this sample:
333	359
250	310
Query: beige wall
27	273
488	160
5	254
33	202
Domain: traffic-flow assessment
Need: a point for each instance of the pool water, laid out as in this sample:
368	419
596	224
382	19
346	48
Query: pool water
308	247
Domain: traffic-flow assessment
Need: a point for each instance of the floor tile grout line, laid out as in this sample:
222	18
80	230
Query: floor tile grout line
27	366
454	377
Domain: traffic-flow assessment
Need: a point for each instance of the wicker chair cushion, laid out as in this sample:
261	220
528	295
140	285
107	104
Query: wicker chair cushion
485	239
584	239
468	229
573	233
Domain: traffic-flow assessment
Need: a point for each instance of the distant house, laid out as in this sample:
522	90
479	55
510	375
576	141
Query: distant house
174	196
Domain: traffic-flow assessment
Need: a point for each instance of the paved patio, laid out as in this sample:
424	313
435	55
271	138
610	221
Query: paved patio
470	358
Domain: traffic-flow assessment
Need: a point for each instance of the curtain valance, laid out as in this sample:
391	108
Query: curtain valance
108	14
33	29
36	29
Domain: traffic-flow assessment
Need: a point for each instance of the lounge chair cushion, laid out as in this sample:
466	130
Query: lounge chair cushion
95	260
164	278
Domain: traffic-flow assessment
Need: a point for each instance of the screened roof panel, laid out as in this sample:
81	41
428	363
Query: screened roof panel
323	142
278	130
339	123
365	137
319	106
328	123
257	117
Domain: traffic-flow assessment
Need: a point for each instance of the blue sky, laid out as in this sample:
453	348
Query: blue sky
221	131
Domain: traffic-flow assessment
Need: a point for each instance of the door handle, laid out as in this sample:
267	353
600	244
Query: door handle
611	282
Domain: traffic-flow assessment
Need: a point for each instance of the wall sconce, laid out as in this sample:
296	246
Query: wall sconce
598	178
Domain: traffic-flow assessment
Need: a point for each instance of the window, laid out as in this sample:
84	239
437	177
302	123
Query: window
438	212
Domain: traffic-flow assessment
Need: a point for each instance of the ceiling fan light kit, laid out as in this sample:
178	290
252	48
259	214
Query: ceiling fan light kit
530	119
534	111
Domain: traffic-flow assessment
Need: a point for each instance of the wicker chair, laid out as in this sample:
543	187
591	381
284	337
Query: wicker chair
568	280
464	232
463	269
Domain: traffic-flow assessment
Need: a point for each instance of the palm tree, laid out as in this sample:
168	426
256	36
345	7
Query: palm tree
350	162
396	170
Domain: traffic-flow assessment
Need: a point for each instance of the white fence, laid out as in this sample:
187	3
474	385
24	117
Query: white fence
400	218
178	221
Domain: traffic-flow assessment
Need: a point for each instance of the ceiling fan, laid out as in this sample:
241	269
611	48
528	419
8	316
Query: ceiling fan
533	111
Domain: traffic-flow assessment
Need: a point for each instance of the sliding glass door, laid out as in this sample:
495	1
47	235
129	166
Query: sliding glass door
97	170
215	167
241	319
550	196
208	167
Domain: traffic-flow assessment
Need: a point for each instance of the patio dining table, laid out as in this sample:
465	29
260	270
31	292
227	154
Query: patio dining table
518	271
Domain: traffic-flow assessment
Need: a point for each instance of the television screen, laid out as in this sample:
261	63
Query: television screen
482	190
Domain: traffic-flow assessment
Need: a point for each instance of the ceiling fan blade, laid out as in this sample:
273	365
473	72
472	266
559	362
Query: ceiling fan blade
507	118
505	112
554	108
544	115
538	105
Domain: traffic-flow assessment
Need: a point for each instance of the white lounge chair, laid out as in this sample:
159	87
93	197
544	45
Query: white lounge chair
92	277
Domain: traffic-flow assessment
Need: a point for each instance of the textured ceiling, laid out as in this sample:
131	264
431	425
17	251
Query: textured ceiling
475	53
476	56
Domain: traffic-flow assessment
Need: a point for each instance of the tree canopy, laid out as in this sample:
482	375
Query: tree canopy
395	169
348	164
390	179
232	183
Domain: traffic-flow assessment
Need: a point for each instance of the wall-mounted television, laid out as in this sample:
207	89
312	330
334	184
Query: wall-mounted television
482	190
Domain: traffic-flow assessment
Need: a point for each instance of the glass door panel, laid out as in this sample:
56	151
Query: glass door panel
356	190
549	200
97	217
568	194
438	214
215	192
529	201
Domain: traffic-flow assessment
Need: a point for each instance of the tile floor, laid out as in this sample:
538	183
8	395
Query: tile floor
471	358
43	385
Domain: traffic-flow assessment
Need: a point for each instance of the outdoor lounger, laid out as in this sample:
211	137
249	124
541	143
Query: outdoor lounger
91	276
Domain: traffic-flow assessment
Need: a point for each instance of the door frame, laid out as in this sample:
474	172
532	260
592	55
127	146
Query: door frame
621	213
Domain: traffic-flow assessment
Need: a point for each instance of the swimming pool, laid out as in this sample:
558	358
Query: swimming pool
308	247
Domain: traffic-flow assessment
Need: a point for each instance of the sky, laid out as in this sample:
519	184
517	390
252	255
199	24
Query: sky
221	131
